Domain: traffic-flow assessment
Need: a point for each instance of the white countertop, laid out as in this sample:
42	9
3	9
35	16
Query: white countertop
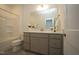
49	32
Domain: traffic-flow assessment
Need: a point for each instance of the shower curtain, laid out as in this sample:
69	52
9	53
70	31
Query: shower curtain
9	29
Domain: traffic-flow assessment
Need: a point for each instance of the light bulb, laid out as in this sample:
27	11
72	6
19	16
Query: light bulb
42	7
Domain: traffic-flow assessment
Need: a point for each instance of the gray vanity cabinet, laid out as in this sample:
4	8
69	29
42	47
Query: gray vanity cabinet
26	41
39	43
44	43
55	44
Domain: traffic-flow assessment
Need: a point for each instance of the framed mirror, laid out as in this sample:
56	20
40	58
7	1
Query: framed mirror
44	18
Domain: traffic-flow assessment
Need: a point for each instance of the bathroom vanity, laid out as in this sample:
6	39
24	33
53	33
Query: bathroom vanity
44	42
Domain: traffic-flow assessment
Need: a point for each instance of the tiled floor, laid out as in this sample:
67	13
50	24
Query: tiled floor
22	52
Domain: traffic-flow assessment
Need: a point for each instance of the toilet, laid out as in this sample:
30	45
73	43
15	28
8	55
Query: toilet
16	45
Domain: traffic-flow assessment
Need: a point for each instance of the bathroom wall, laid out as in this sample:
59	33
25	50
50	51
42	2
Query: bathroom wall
29	17
27	11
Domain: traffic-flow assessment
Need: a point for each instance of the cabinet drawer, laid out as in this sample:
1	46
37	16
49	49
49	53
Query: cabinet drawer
54	36
55	43
26	34
39	35
54	51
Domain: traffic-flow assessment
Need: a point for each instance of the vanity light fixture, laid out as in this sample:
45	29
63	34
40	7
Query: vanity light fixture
42	7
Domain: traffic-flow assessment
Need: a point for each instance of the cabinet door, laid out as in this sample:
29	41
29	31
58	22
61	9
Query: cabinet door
26	41
55	44
39	45
55	41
